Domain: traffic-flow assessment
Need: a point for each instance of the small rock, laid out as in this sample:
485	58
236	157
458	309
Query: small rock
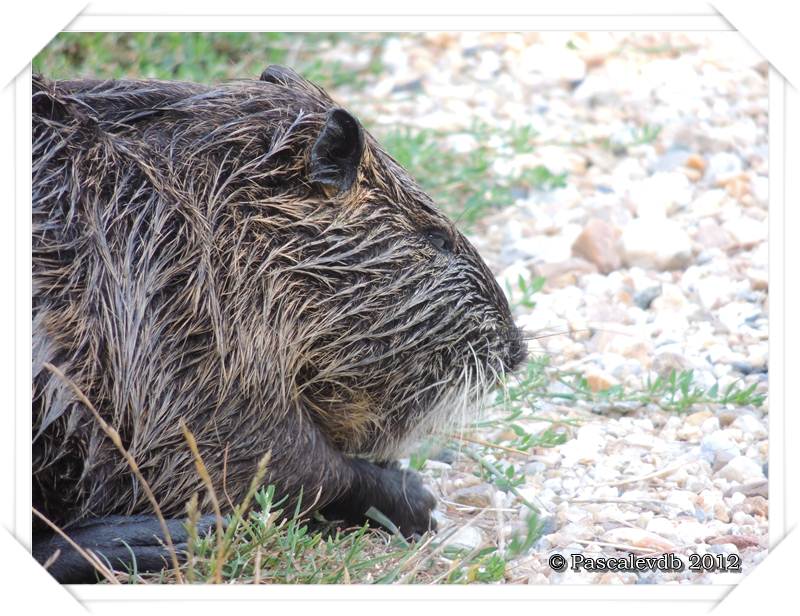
489	64
737	315
553	483
682	500
599	380
759	279
564	273
585	447
621	345
747	368
723	548
660	194
570	484
662	527
740	518
710	234
718	448
666	362
656	244
549	63
752	488
645	297
694	175
672	160
690	531
436	465
722	167
474	496
714	290
467	538
737	187
721	513
709	203
598	244
741	469
688	433
698	418
444	455
535	468
746	231
552	249
761	189
713	505
740	541
710	425
749	424
695	161
737	498
639	538
671	300
756	505
708	498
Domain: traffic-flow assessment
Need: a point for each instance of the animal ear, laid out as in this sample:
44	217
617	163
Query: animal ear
287	78
337	152
282	75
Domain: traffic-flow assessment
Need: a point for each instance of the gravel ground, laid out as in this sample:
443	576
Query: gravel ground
655	260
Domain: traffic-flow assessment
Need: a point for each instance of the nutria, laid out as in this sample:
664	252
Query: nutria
246	258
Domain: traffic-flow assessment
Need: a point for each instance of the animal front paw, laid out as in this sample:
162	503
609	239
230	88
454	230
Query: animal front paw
398	494
407	502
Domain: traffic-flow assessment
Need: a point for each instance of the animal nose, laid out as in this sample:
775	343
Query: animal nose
516	350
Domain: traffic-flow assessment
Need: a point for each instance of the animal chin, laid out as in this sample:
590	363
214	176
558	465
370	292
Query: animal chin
462	400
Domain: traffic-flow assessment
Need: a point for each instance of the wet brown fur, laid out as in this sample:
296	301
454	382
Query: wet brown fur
186	264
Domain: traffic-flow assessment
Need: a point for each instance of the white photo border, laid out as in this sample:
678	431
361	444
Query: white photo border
105	595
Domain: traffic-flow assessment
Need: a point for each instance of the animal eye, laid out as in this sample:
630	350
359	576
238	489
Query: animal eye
439	240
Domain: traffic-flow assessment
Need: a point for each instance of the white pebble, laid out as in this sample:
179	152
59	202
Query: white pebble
656	244
741	469
718	448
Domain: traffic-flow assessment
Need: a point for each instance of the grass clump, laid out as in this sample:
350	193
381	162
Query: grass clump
676	392
522	295
207	57
266	547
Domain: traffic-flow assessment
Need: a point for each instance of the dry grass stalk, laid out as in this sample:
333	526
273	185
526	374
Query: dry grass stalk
212	495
